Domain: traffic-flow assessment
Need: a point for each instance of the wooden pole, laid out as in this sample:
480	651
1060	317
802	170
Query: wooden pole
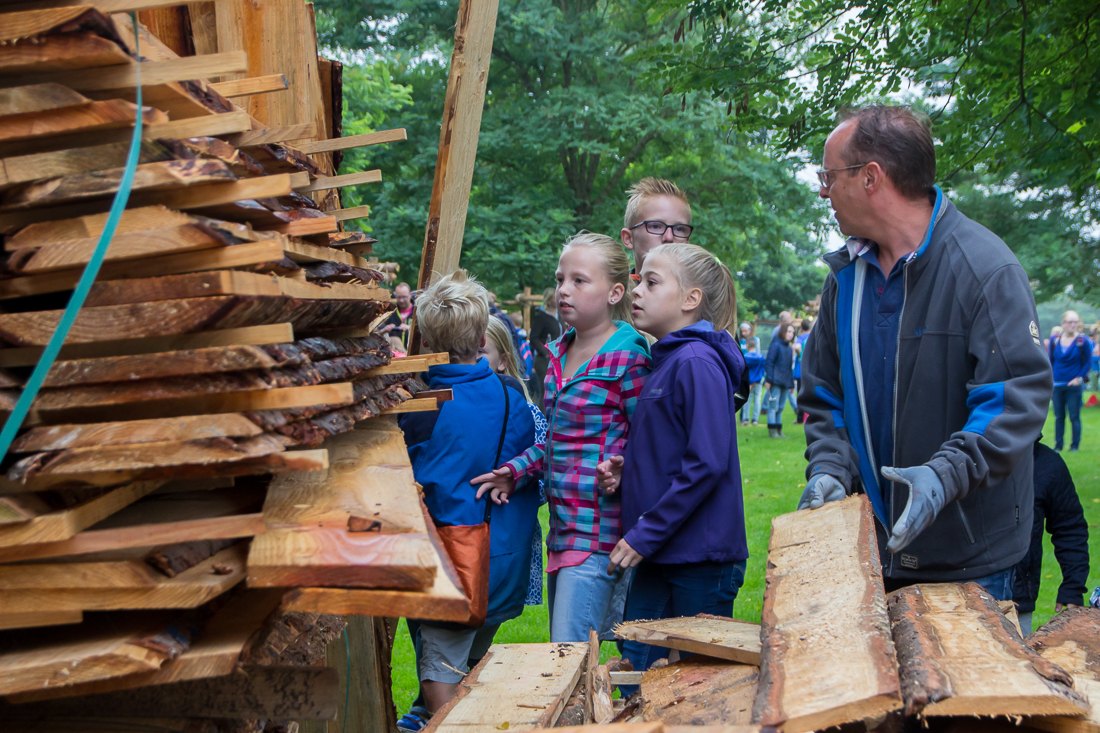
527	310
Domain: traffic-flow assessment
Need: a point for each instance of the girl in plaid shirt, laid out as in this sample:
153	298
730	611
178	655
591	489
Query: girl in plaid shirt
597	370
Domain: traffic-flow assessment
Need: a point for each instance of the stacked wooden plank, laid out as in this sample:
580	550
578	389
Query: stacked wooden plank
149	565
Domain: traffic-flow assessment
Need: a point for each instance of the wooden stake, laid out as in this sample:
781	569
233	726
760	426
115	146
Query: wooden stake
355	141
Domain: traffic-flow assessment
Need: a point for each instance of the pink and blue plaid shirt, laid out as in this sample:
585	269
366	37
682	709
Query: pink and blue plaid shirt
589	420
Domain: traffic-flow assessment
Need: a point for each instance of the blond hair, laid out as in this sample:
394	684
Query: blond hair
697	268
646	189
501	337
453	314
616	267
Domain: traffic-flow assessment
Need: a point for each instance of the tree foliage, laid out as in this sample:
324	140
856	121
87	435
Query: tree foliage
569	123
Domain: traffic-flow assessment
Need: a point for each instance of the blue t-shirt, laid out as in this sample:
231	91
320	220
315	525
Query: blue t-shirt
1072	362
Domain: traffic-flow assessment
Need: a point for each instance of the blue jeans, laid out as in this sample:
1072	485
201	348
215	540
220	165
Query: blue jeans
751	410
580	598
673	591
777	398
1067	399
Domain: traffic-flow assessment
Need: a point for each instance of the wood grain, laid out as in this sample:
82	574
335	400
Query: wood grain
700	691
64	523
43	618
1072	641
25	168
827	654
959	655
255	85
187	427
38	98
355	141
714	636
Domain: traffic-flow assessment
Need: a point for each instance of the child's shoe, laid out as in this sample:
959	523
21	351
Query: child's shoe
414	720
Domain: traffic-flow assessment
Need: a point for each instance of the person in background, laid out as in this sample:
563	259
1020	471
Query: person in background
746	336
754	362
1056	331
785	319
1056	505
798	347
778	378
545	329
397	325
657	212
1071	358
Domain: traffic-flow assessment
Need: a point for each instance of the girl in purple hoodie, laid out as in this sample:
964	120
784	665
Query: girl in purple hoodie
683	514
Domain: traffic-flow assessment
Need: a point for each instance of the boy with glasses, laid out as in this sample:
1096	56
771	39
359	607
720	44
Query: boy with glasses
657	213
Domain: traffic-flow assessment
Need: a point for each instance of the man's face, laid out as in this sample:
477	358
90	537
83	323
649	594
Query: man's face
667	209
845	192
403	296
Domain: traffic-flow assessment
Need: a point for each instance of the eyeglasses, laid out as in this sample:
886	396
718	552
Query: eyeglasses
826	180
679	231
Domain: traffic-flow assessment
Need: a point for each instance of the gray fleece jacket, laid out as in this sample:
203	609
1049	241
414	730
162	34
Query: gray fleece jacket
971	392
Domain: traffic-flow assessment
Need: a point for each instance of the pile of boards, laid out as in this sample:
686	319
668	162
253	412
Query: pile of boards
833	651
210	470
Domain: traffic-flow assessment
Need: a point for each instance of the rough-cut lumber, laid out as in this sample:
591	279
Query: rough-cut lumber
42	618
1072	641
279	692
355	141
26	23
305	227
419	404
700	691
309	543
597	683
959	655
355	212
122	76
64	523
38	98
212	148
24	58
255	85
86	118
86	227
119	584
653	727
508	687
827	652
350	179
714	636
71	655
188	315
270	135
26	168
271	334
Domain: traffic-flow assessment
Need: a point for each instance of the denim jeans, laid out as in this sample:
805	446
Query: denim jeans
673	591
777	398
998	584
751	410
1067	399
580	598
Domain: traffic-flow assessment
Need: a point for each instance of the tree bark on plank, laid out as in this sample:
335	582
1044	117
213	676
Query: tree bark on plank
1072	641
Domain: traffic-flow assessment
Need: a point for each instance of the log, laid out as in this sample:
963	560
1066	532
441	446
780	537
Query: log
700	691
1072	641
827	653
959	655
308	542
66	522
714	636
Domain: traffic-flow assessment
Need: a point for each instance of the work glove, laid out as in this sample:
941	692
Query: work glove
926	499
821	488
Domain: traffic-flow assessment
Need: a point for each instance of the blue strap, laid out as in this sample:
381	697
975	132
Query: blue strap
91	270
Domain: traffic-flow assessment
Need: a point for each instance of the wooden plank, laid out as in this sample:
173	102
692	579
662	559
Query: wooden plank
45	618
310	543
274	333
216	653
419	363
254	85
302	252
959	656
713	636
1071	640
598	683
625	678
107	7
64	523
350	179
26	168
349	214
700	691
91	226
508	687
123	76
417	404
270	135
355	141
454	165
827	652
305	227
38	128
110	586
89	46
38	98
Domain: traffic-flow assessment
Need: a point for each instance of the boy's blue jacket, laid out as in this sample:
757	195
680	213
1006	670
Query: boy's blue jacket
449	447
681	483
754	362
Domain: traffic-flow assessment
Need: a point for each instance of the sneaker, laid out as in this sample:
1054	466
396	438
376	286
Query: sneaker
413	721
756	424
1073	449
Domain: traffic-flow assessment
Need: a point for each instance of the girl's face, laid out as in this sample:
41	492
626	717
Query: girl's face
585	293
490	351
788	334
659	303
746	332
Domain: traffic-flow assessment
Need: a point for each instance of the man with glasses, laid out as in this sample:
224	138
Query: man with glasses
657	213
924	381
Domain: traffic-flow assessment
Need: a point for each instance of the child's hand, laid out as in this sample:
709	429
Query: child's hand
499	484
623	556
610	473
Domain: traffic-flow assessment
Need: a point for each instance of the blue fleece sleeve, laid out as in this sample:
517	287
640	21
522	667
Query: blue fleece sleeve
708	424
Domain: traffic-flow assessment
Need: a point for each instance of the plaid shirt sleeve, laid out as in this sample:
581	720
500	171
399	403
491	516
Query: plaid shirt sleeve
528	463
631	387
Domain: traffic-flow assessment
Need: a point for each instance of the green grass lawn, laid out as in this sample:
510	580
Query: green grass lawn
773	474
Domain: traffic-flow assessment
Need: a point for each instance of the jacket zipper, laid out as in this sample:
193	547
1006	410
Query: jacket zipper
894	422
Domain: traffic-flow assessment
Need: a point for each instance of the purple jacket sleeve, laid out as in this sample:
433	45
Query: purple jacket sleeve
708	423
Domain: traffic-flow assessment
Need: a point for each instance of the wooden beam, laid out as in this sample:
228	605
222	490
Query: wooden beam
714	636
355	212
64	523
454	165
350	179
255	85
828	653
124	76
355	141
367	685
273	135
959	656
275	333
1072	641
